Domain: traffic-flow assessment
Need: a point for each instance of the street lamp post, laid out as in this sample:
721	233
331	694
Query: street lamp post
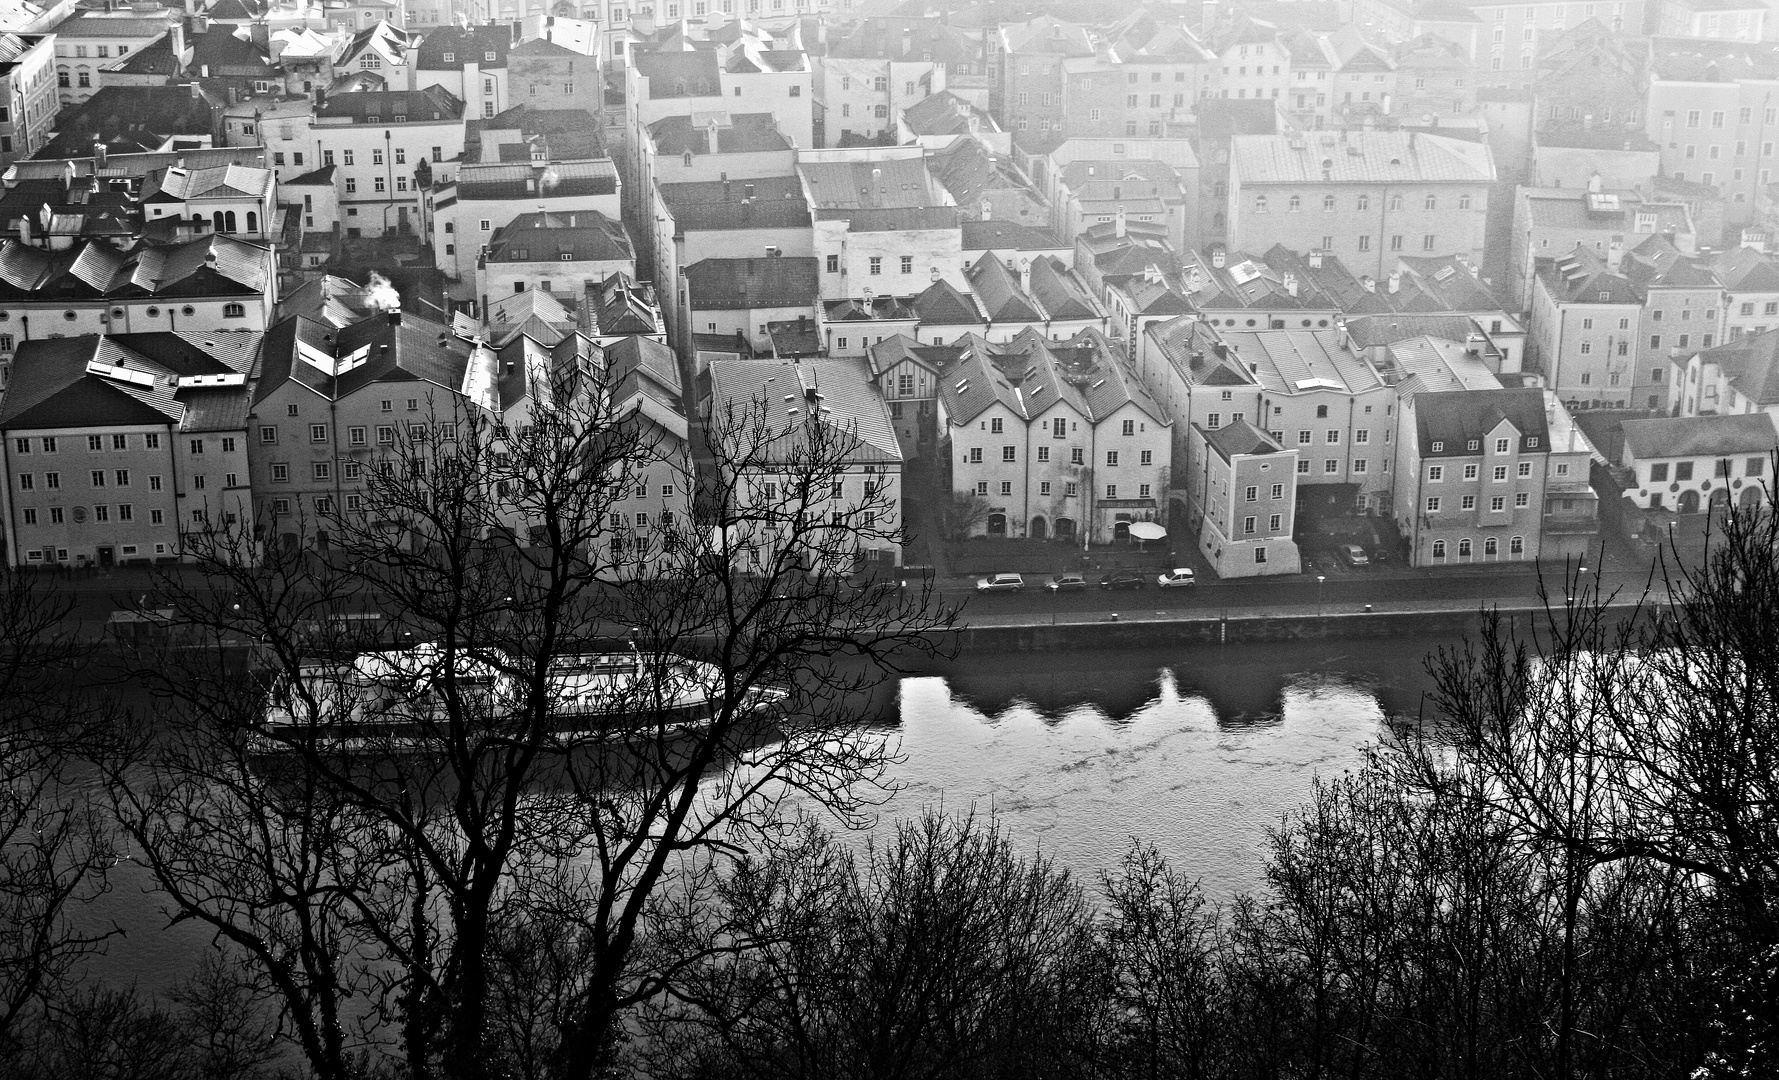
1319	580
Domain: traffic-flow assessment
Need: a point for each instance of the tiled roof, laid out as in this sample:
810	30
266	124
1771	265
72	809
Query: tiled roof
998	288
776	202
1700	436
1453	282
1360	157
578	236
565	134
51	387
895	219
655	360
1048	36
492	180
1060	292
853	185
217	182
216	265
1387	329
991	235
1238	437
1440	364
464	45
737	133
84	24
945	113
1296	361
943	304
433	104
416	349
679	74
1566	208
1455	418
619	305
718	284
1581	278
849	403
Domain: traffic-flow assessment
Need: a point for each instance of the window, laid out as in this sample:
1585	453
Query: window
1111	491
1129	427
1754	466
49	444
1147	458
98	478
982	487
154	483
994	426
1009	453
1248	525
268	434
321	470
26	482
101	513
1043	453
833	264
1006	487
280	472
1333	436
55	515
876	264
1658	473
385	436
1521	500
1111	457
121	477
975	455
1332	465
1303	465
354	435
1253	492
907	264
1433	504
1077	456
1468	502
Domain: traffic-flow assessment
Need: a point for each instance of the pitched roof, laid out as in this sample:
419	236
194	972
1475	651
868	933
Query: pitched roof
580	236
679	74
464	46
215	265
943	304
335	363
1297	361
1580	277
719	284
432	104
216	182
1701	436
945	113
1062	294
1239	438
770	202
1456	418
1003	300
849	404
737	133
991	235
1361	157
856	185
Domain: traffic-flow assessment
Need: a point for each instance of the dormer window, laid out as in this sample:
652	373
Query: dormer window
401	118
488	57
1438	447
1472	444
450	58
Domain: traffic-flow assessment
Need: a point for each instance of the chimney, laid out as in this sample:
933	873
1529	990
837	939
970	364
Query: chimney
1395	281
1217	258
1025	276
1291	283
1118	223
25	229
747	209
1369	282
710	139
395	317
98	155
1315	260
725	189
988	210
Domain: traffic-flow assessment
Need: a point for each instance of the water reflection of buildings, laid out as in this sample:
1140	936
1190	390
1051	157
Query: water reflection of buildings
1243	686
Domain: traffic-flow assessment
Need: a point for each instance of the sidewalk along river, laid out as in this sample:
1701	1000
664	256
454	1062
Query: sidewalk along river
1197	749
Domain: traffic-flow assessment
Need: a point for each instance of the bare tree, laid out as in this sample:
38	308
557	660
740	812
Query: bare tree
1638	744
457	851
53	849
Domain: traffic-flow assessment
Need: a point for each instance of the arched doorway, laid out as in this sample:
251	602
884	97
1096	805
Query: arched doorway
1752	495
1121	527
1689	502
1065	528
997	524
1720	498
1040	529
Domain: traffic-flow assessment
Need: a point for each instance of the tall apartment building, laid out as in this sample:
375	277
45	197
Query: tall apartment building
118	446
1060	439
1245	493
28	90
1710	111
1368	196
377	139
1473	465
1584	331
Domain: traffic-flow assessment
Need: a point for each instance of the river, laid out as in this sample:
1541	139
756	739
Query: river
1197	750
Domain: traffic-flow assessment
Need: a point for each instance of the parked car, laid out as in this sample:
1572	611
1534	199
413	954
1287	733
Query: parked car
1179	576
1068	583
1001	583
1122	579
1353	555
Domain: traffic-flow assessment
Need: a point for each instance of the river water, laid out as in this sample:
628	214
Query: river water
1195	749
